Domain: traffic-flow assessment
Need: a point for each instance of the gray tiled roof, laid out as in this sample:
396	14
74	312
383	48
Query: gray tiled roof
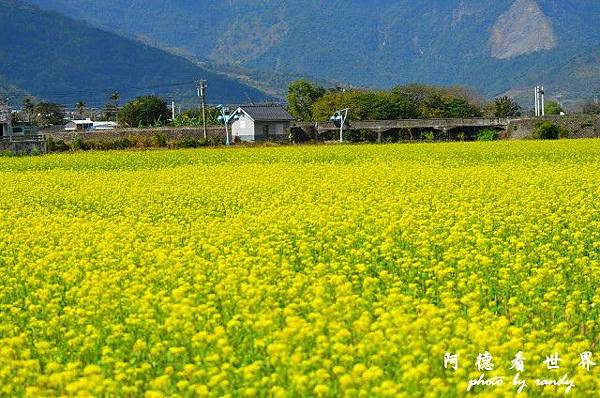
267	113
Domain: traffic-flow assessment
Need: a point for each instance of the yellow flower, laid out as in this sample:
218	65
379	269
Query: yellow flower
300	271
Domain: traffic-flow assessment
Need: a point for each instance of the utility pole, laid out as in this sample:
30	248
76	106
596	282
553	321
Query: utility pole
202	95
539	101
543	104
172	108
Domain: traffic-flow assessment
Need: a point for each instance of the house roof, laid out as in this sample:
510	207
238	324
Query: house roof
267	113
81	121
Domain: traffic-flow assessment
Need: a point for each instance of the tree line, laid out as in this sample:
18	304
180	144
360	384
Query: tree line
310	102
143	111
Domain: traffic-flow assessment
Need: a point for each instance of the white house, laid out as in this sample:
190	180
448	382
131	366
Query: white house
259	123
79	125
89	125
100	126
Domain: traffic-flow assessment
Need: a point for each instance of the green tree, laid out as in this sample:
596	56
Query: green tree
549	131
504	107
28	108
80	108
460	108
325	106
302	94
48	114
115	96
403	102
364	105
553	108
591	108
193	118
370	105
144	112
406	105
487	135
111	109
429	100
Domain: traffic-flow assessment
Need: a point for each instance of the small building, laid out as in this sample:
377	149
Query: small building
103	126
5	121
79	125
89	125
260	123
19	137
24	129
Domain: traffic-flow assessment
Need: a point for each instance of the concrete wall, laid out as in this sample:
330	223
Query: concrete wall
579	126
24	146
173	134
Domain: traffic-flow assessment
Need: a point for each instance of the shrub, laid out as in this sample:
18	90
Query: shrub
549	131
553	108
144	111
428	136
122	143
215	141
189	142
298	135
487	135
160	140
143	141
78	144
57	145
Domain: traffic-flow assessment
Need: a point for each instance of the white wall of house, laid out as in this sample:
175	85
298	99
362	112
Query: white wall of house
78	125
243	128
250	131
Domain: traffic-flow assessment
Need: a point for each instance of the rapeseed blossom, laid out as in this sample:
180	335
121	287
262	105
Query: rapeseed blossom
345	271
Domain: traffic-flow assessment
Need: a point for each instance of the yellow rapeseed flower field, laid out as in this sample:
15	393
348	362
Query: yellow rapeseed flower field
341	271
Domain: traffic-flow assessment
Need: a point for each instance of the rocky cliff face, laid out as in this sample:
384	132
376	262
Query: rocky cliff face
523	29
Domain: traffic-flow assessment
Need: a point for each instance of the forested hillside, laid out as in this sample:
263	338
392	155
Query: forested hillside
493	46
57	58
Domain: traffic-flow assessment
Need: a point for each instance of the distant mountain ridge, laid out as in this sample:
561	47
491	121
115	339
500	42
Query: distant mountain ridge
56	58
493	46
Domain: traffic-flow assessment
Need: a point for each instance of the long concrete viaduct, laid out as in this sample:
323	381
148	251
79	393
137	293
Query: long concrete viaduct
381	126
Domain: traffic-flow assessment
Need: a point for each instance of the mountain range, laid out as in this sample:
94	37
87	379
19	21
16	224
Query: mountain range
54	57
496	47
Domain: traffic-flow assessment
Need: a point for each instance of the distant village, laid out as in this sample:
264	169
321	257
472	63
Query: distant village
244	123
311	114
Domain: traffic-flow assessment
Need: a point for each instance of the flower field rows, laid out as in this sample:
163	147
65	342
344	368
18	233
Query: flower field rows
300	272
